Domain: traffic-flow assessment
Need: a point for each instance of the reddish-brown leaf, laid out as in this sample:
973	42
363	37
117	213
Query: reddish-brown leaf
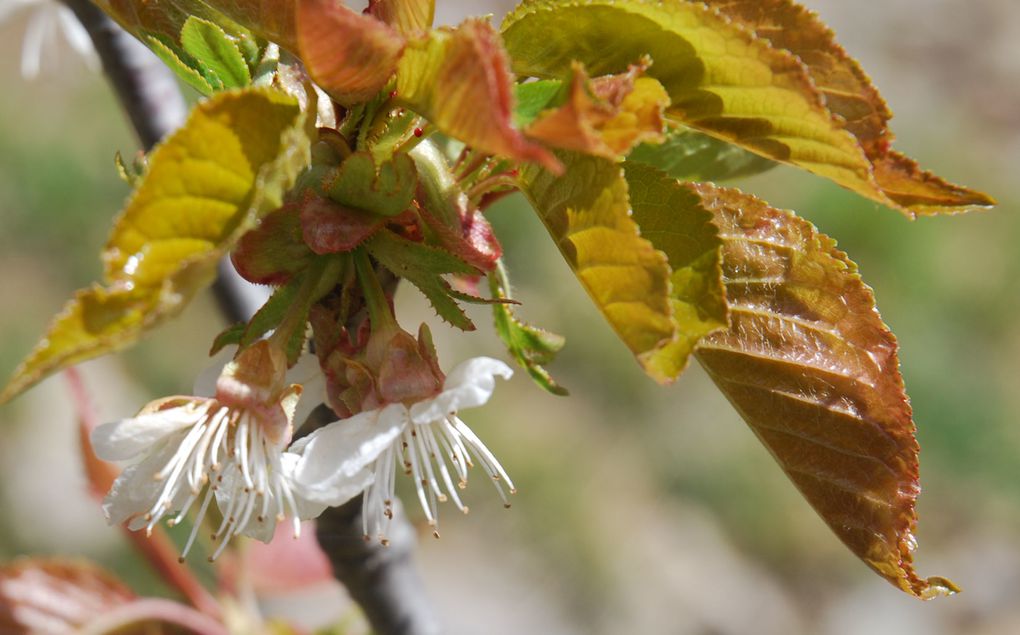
275	250
330	227
810	366
348	54
55	596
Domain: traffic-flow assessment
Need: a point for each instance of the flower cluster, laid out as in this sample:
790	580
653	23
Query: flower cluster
235	448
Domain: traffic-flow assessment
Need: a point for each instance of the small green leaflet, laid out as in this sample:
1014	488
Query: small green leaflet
531	347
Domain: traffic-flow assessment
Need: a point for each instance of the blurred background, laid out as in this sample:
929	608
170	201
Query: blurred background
640	509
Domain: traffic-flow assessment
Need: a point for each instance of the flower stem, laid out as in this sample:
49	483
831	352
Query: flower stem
318	279
375	298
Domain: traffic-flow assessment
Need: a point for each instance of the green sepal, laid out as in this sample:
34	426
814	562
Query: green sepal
386	190
424	267
230	335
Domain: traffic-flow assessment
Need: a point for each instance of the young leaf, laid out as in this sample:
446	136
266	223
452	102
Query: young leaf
212	48
810	366
206	185
532	98
531	347
350	55
460	80
688	155
588	214
273	20
173	59
722	79
423	266
605	117
850	95
673	220
408	17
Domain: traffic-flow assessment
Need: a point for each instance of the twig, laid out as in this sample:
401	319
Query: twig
383	580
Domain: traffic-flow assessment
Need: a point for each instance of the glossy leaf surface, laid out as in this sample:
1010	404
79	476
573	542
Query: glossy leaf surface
689	155
724	80
205	185
850	95
671	217
588	214
809	364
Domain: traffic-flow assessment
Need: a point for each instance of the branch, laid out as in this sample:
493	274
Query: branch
383	580
146	88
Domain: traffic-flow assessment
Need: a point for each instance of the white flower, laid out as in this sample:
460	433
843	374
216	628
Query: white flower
425	440
49	18
230	448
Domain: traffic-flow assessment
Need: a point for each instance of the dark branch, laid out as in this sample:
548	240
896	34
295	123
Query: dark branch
145	87
383	580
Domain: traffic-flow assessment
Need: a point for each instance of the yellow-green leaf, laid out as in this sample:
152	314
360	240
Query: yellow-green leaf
809	364
588	214
409	17
460	80
672	219
722	78
850	95
205	186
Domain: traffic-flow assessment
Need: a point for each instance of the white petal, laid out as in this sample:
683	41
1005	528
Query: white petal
205	383
335	459
135	490
126	438
308	373
307	509
469	384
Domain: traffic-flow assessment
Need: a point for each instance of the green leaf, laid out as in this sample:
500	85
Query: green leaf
673	220
206	185
587	212
271	313
423	266
722	78
386	191
532	98
172	57
531	347
688	155
213	49
230	335
810	366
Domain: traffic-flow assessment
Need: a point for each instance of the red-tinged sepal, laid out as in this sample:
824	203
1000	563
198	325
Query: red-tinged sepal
329	227
350	55
275	250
